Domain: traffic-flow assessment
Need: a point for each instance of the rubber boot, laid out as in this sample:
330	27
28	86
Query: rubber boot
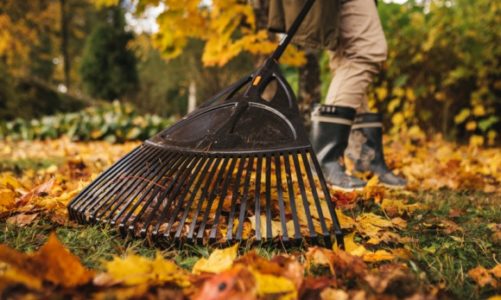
330	131
366	149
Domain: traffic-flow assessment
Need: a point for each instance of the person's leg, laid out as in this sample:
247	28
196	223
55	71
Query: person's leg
361	52
359	57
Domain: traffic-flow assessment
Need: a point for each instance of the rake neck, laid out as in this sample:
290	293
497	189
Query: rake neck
292	30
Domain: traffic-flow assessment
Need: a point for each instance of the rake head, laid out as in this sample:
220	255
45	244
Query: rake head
239	168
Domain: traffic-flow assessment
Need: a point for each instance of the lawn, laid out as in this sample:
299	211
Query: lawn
440	238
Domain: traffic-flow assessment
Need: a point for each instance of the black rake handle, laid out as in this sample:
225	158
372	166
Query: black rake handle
292	30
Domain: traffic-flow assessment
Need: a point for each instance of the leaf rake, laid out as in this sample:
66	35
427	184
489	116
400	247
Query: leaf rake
240	167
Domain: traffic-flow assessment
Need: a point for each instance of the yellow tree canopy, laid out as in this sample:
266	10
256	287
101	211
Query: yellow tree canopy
228	28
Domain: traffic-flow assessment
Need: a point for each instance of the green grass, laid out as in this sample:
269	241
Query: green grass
18	166
439	258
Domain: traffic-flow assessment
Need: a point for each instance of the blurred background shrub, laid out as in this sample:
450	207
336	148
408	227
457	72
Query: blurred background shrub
63	63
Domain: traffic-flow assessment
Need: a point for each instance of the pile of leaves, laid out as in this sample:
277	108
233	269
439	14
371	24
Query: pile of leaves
378	261
116	122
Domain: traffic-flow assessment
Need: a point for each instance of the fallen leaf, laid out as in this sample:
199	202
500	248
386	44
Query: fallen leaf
233	284
482	276
7	199
41	190
330	293
219	260
52	263
22	219
134	270
379	255
369	224
274	286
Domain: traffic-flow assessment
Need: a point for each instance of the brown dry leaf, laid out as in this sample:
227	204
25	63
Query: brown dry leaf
52	263
394	207
399	223
391	274
22	219
388	237
320	256
39	191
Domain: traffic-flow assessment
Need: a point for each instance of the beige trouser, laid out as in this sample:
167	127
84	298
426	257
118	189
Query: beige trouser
361	51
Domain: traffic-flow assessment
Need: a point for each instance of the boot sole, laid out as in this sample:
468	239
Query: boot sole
358	189
393	187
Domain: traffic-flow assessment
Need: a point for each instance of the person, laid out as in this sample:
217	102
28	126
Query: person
351	30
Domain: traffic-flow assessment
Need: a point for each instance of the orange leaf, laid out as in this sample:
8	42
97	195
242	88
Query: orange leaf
52	263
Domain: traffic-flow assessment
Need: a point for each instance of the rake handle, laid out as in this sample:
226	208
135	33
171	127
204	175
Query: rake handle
292	30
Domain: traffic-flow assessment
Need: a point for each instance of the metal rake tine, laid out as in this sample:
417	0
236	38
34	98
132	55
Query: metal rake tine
74	204
205	195
130	186
306	204
314	193
236	188
243	201
212	235
194	193
213	195
292	201
107	194
176	182
162	178
257	197
281	205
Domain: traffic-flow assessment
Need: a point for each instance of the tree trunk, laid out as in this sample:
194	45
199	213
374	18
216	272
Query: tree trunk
192	96
309	83
64	44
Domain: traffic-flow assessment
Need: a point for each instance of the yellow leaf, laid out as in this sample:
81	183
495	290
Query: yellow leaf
471	125
461	117
397	119
268	285
369	224
276	226
135	269
8	180
351	247
218	261
7	199
476	140
478	110
379	255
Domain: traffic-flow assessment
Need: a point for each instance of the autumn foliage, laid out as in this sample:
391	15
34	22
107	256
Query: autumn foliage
376	261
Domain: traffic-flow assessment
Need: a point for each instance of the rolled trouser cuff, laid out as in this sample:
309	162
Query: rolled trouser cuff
333	114
368	120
